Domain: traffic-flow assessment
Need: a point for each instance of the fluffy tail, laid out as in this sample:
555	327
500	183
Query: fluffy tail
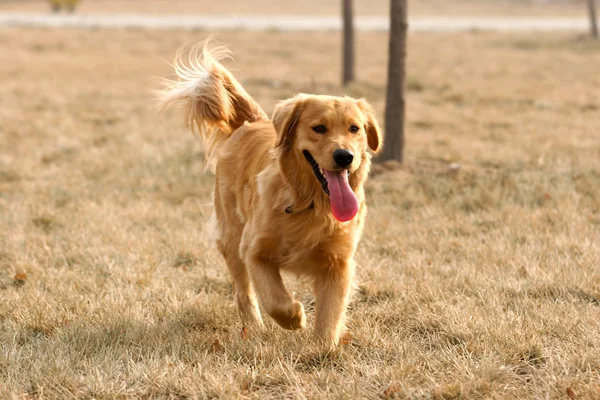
214	102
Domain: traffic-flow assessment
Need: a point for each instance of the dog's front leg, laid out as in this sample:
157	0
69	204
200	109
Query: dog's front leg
332	290
272	294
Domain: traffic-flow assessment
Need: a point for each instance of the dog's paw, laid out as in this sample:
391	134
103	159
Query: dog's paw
299	317
333	338
294	318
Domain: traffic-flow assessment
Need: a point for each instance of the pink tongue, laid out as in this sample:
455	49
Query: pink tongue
344	203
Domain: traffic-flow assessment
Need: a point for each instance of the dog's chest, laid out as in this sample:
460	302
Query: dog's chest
309	244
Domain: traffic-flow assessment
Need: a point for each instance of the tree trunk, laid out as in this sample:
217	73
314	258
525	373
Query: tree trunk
348	52
393	148
593	18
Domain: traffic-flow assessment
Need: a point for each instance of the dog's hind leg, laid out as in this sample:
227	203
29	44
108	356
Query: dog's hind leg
229	233
242	287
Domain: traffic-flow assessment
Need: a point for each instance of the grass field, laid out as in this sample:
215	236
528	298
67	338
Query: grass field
479	269
486	8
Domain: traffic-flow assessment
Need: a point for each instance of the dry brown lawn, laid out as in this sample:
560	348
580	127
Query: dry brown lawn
479	269
487	8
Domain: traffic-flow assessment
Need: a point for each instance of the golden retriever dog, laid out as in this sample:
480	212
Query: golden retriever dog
288	190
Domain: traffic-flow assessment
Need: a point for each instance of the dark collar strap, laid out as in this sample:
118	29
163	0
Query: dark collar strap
290	209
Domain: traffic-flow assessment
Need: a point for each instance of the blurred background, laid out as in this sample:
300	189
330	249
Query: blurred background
308	7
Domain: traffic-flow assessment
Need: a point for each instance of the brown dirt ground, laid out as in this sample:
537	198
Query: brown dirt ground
481	281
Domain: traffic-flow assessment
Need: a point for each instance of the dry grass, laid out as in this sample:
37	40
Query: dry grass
488	8
476	282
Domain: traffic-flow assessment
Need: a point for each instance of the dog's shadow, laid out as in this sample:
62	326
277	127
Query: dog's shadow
187	334
184	334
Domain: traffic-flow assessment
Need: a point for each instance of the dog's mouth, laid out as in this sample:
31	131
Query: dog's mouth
318	171
335	184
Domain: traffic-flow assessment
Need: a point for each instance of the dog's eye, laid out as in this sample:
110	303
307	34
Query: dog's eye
319	129
354	129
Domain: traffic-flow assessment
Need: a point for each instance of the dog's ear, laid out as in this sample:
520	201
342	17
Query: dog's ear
285	119
371	126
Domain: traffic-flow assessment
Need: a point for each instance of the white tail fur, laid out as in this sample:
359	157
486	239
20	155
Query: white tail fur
212	99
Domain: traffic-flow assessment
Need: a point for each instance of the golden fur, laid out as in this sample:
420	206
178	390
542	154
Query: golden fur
271	211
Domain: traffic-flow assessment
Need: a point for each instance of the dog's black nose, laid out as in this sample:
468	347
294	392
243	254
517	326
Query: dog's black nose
342	157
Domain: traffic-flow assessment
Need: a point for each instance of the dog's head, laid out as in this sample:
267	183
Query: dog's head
332	136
